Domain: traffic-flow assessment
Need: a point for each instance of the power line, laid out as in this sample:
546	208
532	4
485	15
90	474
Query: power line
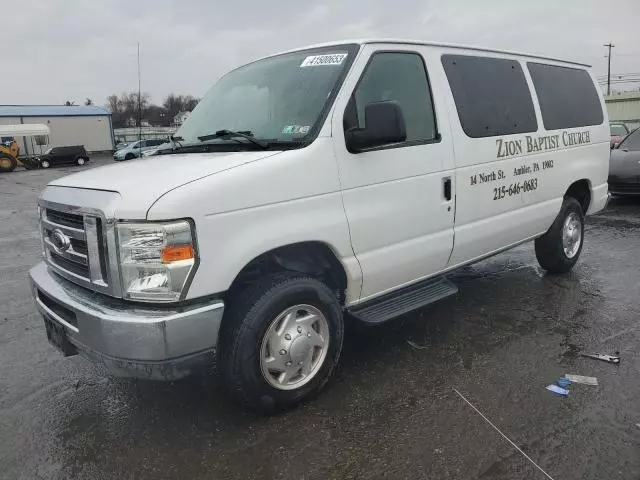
604	77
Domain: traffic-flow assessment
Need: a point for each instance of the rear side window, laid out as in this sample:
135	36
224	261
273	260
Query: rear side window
491	95
567	96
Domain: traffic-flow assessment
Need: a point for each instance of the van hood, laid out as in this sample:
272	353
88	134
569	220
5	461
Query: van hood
142	181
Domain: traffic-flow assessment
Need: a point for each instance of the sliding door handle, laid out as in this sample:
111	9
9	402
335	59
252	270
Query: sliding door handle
446	188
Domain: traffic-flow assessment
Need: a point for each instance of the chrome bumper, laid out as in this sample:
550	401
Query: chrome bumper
129	339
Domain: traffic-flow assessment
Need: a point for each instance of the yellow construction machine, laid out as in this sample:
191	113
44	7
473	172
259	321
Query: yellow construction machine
10	150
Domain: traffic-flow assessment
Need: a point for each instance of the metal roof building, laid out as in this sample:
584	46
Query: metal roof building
624	107
87	125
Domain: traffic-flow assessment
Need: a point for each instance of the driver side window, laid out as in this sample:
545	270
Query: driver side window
400	77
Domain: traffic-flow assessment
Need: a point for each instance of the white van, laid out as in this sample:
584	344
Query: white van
335	183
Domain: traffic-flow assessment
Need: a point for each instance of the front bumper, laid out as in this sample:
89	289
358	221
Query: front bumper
161	343
624	185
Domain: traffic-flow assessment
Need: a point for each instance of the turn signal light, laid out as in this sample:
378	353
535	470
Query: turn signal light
175	253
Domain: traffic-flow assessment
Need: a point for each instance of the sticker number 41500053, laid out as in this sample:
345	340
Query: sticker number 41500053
328	59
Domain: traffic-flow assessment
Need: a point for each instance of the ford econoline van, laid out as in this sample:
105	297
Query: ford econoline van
328	184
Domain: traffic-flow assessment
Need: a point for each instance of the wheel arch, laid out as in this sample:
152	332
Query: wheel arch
315	258
581	191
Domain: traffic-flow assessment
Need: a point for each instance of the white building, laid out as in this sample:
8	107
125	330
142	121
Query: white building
70	125
180	118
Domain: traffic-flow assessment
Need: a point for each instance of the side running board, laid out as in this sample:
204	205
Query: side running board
404	300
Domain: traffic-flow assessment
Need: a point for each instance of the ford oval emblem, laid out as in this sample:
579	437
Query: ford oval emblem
60	240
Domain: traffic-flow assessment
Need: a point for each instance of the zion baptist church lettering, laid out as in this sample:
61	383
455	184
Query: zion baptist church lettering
510	148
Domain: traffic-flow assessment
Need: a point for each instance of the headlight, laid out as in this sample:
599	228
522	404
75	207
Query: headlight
156	259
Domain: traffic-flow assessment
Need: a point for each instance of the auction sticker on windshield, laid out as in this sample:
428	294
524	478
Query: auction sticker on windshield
327	59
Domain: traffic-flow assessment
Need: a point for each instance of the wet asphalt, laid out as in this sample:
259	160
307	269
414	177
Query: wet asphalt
390	411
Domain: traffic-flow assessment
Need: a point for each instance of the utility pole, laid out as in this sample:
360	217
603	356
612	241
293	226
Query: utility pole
610	46
139	99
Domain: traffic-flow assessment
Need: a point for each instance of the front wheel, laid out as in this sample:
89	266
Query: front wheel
280	341
7	163
45	164
558	250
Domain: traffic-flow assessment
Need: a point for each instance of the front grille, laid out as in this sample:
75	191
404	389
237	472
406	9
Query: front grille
75	247
70	266
67	219
60	310
79	246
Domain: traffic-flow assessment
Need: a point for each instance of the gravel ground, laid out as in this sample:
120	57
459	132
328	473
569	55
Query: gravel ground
390	411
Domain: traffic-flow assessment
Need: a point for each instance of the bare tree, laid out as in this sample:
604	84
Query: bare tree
189	103
88	101
124	108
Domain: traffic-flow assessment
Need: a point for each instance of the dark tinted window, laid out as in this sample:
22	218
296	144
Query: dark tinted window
491	95
567	96
400	77
631	141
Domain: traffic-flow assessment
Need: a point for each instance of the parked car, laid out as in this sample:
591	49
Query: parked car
624	166
62	156
618	132
364	173
134	149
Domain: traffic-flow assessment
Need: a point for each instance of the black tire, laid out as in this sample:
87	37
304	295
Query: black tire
7	163
81	160
549	247
247	319
45	163
129	156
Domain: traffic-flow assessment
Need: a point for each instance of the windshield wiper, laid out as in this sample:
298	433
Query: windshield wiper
230	134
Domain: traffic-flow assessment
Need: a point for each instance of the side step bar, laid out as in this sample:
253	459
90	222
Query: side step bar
404	300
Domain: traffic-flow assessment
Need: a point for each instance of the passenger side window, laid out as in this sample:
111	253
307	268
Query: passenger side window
491	95
567	96
402	78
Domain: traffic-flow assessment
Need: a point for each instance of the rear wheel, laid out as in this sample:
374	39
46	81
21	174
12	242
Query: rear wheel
7	163
558	250
280	341
81	161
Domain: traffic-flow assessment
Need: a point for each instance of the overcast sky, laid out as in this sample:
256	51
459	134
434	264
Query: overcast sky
73	49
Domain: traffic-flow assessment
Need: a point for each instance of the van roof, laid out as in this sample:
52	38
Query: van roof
364	41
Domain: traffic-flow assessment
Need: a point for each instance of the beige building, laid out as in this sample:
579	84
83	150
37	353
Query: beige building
624	107
69	125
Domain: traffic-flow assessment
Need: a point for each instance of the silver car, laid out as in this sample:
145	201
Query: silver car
135	149
624	166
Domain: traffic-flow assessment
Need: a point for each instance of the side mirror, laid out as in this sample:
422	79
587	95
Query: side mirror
384	124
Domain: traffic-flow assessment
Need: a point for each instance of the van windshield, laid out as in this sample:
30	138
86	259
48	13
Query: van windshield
277	99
